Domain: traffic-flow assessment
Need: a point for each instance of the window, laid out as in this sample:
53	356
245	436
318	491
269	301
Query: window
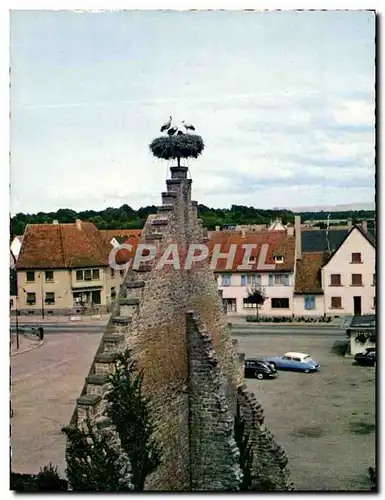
11	303
87	275
226	279
122	272
49	275
248	305
31	298
335	280
356	258
252	259
374	302
112	272
374	280
79	275
336	303
230	305
113	292
356	279
278	279
280	303
49	298
251	280
30	275
278	259
95	274
309	302
95	297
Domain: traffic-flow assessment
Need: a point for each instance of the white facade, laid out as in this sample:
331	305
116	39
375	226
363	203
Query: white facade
308	305
356	292
235	286
16	246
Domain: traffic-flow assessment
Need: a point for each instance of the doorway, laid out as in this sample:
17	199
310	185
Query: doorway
357	306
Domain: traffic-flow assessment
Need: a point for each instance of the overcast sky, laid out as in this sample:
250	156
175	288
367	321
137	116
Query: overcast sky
283	100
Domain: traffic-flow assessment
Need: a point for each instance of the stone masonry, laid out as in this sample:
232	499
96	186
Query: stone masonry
173	322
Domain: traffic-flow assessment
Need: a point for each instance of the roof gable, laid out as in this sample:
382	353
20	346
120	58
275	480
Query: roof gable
368	237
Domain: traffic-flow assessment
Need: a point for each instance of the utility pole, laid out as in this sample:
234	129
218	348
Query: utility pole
42	295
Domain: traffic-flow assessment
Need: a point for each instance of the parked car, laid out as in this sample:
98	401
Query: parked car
368	357
295	361
260	369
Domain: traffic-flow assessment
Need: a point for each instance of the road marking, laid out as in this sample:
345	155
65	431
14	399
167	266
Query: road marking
43	369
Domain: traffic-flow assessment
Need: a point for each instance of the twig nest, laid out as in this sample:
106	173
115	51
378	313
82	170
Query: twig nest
177	146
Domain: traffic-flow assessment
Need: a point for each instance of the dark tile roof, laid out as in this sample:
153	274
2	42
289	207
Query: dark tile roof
279	244
308	273
62	246
315	240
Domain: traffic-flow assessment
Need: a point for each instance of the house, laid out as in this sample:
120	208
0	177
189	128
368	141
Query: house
64	269
16	245
349	276
277	284
118	236
361	332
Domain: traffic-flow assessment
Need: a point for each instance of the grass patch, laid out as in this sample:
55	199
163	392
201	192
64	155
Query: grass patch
361	427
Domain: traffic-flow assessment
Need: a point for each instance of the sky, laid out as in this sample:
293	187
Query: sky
284	101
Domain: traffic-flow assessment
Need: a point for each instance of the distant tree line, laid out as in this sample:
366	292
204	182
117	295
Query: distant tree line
126	217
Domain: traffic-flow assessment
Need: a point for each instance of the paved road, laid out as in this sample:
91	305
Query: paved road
45	385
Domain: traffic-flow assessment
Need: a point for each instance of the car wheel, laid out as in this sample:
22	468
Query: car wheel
259	375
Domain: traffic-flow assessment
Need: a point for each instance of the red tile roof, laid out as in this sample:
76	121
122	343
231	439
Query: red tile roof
279	244
122	233
62	246
308	273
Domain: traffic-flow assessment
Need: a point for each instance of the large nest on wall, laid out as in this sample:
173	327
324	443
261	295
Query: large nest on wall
177	146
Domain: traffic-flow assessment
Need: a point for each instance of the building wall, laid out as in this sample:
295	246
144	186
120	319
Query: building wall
299	305
341	264
64	284
239	292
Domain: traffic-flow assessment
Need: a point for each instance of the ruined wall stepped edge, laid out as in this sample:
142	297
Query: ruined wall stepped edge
172	320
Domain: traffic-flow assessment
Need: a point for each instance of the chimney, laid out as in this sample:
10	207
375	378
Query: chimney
78	224
290	230
243	232
298	242
217	228
365	225
350	222
55	222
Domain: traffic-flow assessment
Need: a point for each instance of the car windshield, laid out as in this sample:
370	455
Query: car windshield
307	359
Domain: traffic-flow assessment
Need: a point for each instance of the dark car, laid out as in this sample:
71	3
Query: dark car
368	357
257	368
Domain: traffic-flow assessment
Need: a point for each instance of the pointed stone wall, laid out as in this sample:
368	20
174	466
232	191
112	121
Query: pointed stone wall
173	322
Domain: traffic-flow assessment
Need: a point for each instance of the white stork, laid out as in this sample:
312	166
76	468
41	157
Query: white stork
179	132
188	126
171	131
166	125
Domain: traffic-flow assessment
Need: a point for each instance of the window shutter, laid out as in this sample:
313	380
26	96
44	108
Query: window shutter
306	302
258	279
243	280
270	280
312	302
286	280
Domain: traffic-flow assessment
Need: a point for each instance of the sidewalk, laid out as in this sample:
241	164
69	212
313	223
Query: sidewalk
26	344
38	320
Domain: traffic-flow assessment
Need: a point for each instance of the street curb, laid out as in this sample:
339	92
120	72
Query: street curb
27	350
251	324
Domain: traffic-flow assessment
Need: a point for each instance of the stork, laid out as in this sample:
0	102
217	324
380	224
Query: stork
188	126
171	131
180	132
166	125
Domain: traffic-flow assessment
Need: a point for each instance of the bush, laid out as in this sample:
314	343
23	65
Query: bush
48	480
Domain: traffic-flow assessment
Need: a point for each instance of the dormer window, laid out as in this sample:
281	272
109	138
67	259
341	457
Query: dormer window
278	259
252	259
